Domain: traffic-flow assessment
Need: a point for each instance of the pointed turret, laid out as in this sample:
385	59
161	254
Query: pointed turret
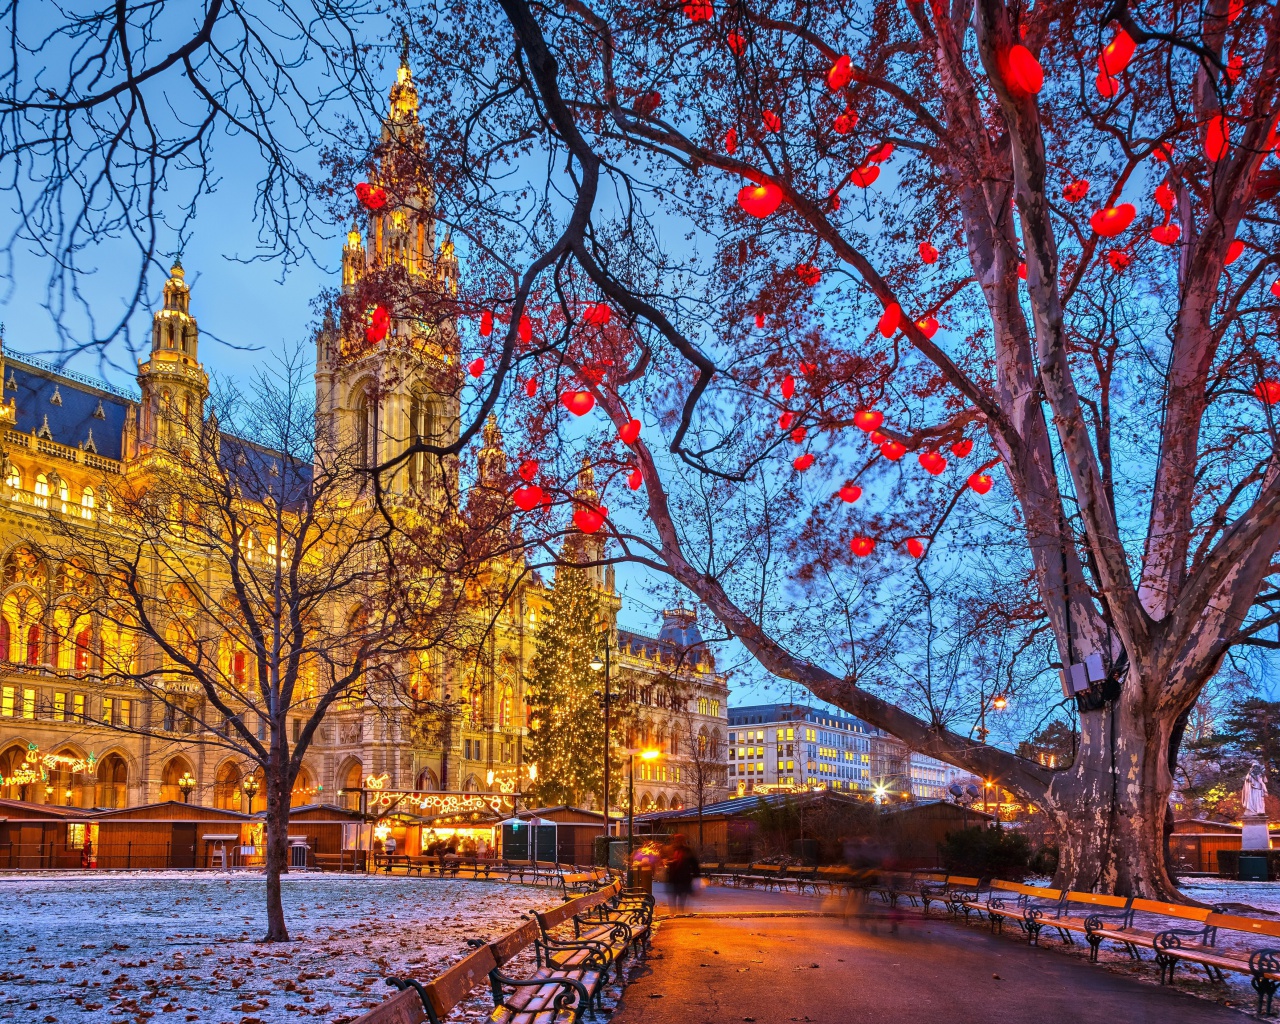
174	384
491	463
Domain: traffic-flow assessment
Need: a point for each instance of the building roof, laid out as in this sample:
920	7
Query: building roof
66	407
760	714
679	637
750	803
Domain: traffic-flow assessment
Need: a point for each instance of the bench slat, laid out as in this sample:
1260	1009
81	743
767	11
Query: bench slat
450	988
402	1008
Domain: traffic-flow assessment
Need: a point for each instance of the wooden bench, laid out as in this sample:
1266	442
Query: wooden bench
1134	933
587	969
578	882
387	861
1075	912
1012	901
952	894
894	887
1254	950
593	944
344	860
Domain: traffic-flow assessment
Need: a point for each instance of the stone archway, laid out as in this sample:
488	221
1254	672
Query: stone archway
113	782
227	794
173	770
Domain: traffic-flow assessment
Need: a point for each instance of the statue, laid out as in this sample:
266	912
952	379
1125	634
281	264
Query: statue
1254	794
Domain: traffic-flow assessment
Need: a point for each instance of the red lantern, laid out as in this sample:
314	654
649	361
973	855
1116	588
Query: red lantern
868	419
759	319
1112	220
629	432
772	122
928	253
1162	152
1165	199
578	402
1166	234
635	478
850	493
962	448
1234	251
528	470
526	329
1021	71
845	123
914	547
809	274
475	367
531	387
1116	54
1268	391
864	176
1118	260
1217	138
379	324
892	451
788	386
1022	271
928	326
599	314
1076	191
486	323
760	200
786	419
876	438
528	498
807	368
1106	85
699	10
371	196
980	482
731	141
802	462
1275	287
589	520
890	319
737	44
862	546
932	463
799	434
841	73
879	154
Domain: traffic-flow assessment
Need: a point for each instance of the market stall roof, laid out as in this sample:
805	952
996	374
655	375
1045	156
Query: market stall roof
522	820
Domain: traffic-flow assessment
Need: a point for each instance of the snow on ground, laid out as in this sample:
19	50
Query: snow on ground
183	946
1262	896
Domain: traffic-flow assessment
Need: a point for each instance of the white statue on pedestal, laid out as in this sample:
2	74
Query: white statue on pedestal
1254	794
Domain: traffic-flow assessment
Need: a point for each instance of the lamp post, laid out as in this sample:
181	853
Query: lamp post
645	755
606	699
250	786
186	784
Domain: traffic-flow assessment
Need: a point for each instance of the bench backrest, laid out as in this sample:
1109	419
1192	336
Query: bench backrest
511	944
559	915
765	869
964	881
928	876
1178	910
1098	899
1249	925
450	988
1003	886
1039	893
402	1008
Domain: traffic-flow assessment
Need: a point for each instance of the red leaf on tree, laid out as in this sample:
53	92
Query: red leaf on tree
807	368
372	197
932	463
980	482
526	328
635	478
802	462
788	386
889	319
928	253
486	323
862	546
892	451
914	547
629	432
1118	259
962	448
1268	391
850	493
699	10
868	419
772	122
809	274
1112	220
1217	137
760	200
589	520
841	73
528	498
928	326
528	470
1166	234
1234	251
759	319
1021	71
731	141
475	367
864	176
1116	54
648	103
1076	191
578	402
1234	68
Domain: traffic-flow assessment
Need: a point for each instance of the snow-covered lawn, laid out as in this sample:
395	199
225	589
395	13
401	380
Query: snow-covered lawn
183	946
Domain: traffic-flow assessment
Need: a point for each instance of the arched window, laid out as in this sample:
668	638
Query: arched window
427	781
119	645
23	613
174	770
304	789
86	503
22	774
422	427
41	493
64	495
704	706
14	480
113	781
366	432
227	795
4	638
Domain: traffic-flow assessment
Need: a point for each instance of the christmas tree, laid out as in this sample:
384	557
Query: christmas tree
566	720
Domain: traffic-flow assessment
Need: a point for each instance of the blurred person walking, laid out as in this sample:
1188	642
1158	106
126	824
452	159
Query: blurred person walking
682	868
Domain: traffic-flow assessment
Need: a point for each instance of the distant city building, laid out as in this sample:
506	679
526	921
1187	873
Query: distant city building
796	746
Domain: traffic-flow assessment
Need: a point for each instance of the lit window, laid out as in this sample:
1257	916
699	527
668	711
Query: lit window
59	707
14	480
6	701
42	491
86	503
28	703
108	705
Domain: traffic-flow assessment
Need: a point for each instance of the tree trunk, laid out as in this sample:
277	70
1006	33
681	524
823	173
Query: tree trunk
1109	808
278	788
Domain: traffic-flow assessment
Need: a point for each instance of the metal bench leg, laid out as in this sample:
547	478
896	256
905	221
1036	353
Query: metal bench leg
1266	988
1094	942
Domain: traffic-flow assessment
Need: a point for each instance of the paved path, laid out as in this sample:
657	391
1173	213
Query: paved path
728	962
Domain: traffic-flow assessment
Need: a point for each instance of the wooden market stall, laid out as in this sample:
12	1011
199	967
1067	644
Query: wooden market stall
171	834
34	836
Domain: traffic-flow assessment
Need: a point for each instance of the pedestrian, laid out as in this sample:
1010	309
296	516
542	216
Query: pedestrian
682	869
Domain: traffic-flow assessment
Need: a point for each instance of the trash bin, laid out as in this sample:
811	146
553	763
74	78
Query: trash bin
1253	867
642	878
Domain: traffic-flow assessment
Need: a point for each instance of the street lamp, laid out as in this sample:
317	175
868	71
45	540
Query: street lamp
250	785
606	699
186	784
645	755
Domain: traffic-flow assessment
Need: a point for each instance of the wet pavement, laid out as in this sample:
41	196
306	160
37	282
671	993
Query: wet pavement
747	956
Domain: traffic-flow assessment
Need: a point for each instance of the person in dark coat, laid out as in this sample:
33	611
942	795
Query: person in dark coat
682	868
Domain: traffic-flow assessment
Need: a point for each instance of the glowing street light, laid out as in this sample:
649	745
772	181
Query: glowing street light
645	755
186	785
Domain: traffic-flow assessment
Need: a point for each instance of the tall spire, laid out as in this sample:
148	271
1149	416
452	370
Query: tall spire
586	489
492	458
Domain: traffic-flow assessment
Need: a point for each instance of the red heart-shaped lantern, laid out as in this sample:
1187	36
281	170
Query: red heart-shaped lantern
599	314
841	73
889	319
1217	138
980	482
760	200
1021	71
876	438
799	434
850	493
1166	234
525	329
868	419
371	197
1268	391
635	479
932	463
772	122
1118	259
589	520
928	326
527	498
788	386
1106	85
928	253
736	43
802	462
629	431
1116	54
962	448
786	419
379	324
699	10
486	323
914	547
1112	220
865	176
1076	190
731	141
862	546
892	451
1234	251
880	153
475	367
531	387
578	402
